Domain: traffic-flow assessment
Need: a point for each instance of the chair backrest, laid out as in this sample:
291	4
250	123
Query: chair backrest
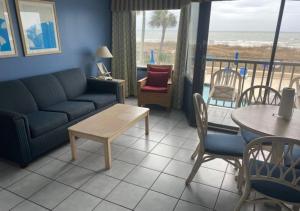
161	68
257	95
226	77
201	117
295	83
259	164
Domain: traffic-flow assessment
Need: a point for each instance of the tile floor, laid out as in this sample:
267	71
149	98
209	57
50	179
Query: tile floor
148	174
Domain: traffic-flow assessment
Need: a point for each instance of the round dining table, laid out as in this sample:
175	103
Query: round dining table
263	120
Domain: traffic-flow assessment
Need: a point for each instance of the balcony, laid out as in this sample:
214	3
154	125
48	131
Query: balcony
255	74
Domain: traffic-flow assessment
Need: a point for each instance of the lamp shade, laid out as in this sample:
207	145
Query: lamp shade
103	52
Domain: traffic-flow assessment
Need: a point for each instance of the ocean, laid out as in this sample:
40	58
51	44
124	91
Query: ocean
245	39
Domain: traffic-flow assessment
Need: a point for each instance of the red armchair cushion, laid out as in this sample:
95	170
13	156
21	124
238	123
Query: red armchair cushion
155	89
160	70
158	79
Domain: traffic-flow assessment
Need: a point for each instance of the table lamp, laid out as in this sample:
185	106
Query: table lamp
103	52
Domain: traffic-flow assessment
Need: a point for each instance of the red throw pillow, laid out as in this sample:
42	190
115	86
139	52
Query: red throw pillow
161	69
159	79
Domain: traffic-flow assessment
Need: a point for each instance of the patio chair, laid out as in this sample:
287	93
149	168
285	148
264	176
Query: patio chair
257	95
295	83
227	147
267	176
225	86
154	89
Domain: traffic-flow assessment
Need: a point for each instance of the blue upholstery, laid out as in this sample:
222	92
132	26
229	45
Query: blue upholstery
249	136
100	101
73	109
41	122
294	156
274	189
45	89
223	144
73	81
16	97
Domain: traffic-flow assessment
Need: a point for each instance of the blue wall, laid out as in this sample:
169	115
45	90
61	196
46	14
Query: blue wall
83	26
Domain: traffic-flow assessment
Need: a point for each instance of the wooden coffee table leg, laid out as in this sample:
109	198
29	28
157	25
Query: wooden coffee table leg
147	124
107	155
73	145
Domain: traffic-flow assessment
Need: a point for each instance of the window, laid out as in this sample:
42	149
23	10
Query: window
156	33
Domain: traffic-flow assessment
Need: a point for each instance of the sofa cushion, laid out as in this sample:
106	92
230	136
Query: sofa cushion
16	97
159	79
72	108
248	135
46	90
100	100
154	89
73	81
41	122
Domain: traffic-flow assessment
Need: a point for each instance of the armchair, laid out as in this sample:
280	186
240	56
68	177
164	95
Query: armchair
153	89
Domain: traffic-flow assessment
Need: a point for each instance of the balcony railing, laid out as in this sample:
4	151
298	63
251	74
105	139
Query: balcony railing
253	73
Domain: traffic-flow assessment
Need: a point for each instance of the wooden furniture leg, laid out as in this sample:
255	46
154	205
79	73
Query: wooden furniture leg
147	124
73	146
107	154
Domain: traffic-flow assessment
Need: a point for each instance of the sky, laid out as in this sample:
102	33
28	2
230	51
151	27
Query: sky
254	15
249	15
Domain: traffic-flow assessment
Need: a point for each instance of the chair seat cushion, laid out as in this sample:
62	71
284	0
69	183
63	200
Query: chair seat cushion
248	135
100	100
224	144
293	156
272	188
41	122
159	79
154	89
73	109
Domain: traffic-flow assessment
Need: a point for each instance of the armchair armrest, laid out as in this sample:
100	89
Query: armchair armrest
104	86
142	82
14	137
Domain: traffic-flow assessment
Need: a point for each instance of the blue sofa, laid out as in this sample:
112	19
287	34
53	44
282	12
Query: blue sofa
35	112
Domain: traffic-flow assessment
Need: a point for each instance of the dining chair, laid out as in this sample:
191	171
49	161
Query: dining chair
257	95
224	146
225	85
268	176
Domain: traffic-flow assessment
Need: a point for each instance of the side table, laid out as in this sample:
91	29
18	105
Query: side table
121	83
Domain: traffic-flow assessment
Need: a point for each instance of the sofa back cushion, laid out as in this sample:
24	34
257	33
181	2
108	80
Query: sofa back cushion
45	89
14	96
73	81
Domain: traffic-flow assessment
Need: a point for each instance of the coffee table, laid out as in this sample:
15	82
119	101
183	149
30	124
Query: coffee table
107	125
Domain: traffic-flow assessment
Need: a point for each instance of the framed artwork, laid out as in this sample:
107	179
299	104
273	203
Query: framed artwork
38	27
7	39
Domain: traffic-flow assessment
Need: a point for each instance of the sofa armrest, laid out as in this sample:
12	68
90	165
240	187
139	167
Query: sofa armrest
102	86
14	137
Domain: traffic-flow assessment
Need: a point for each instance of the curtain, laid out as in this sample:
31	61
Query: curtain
181	56
124	49
130	5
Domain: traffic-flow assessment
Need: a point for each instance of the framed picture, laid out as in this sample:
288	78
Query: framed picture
7	39
38	27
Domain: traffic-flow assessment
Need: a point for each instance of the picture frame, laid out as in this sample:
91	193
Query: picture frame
38	27
8	46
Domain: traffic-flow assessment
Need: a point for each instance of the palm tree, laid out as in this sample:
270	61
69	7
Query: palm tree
143	36
164	19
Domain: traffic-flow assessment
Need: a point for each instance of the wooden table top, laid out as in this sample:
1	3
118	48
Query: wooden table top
111	122
263	120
